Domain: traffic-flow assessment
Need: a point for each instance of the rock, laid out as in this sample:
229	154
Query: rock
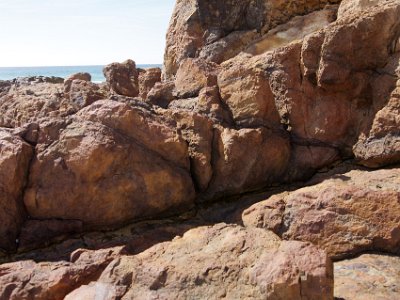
78	76
193	75
83	93
162	94
147	79
381	145
5	86
15	156
296	29
225	262
245	160
245	89
33	101
227	27
198	131
368	277
228	46
104	170
351	7
345	215
209	104
95	291
156	132
123	78
46	280
314	89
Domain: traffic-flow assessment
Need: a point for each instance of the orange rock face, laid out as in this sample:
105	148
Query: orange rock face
225	262
15	155
345	215
122	78
147	79
255	98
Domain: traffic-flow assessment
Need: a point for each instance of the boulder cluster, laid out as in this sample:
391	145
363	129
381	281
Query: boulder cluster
257	164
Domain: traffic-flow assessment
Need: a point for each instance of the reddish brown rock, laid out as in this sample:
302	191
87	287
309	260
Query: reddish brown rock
346	214
47	281
156	132
193	75
78	76
162	94
225	262
368	277
39	233
123	78
219	30
83	93
198	131
15	156
381	145
246	159
147	80
33	101
104	171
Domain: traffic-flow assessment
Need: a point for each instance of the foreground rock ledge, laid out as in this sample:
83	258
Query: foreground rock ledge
344	214
368	277
223	261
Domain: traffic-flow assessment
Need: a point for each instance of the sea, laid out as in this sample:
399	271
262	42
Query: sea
8	73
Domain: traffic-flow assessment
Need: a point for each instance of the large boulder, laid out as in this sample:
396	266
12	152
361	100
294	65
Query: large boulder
15	156
225	262
345	214
123	78
147	80
77	76
30	100
246	160
193	75
218	31
52	280
321	89
381	145
368	277
104	170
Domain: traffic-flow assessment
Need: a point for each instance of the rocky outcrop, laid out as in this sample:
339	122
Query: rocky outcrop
123	78
345	214
257	97
46	280
77	76
15	156
368	277
219	31
115	170
147	80
31	102
194	75
225	262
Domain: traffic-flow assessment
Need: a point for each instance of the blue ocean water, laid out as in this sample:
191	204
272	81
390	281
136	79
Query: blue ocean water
7	73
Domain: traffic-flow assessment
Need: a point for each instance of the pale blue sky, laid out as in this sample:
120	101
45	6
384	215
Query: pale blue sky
82	32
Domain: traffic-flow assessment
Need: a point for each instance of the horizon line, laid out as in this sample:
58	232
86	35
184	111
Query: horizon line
91	65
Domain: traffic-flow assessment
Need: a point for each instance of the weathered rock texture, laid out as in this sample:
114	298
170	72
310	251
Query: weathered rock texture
255	95
368	277
225	262
345	215
105	170
15	156
123	78
220	30
147	80
29	280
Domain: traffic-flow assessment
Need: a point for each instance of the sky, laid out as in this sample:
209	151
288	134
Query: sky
82	32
